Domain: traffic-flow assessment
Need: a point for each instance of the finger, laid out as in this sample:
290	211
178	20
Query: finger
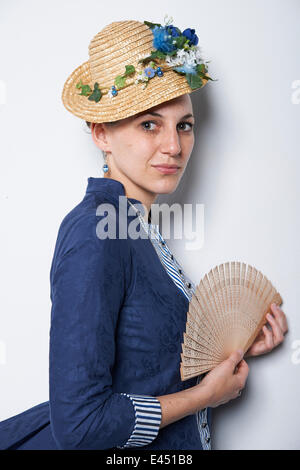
280	316
242	370
277	331
235	358
269	341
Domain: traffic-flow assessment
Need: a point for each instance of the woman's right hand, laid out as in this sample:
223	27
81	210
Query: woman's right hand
224	382
220	385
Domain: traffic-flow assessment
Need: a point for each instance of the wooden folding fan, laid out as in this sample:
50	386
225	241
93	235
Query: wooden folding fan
227	310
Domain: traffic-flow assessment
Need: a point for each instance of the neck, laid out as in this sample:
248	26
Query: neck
136	192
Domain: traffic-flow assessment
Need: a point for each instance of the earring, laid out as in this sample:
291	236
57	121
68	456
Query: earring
105	166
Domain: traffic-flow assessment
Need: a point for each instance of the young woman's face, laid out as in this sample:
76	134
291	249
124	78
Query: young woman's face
162	135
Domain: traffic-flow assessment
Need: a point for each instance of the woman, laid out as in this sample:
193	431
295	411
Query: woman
119	303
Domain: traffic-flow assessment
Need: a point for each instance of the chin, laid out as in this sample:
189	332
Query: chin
167	186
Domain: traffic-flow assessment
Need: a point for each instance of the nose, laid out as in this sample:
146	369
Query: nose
171	142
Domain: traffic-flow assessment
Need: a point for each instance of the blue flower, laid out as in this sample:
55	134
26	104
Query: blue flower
161	40
174	31
150	72
190	34
186	69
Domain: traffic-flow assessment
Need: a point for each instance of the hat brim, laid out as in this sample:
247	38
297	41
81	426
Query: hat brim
129	101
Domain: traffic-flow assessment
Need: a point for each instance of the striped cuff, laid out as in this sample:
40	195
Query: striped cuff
147	411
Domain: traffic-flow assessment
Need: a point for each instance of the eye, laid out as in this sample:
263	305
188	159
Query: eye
147	129
189	124
146	125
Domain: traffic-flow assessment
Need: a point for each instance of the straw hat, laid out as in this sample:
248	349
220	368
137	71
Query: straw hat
94	93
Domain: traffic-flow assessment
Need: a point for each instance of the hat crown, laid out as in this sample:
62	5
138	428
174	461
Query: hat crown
118	44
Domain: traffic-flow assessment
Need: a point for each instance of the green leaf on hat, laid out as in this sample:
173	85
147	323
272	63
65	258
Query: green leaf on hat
154	55
194	80
85	89
158	55
129	70
201	68
180	41
120	81
151	25
202	71
96	95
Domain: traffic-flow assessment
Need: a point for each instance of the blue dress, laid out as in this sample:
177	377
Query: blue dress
117	320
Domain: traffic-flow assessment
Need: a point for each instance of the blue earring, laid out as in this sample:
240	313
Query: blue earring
105	166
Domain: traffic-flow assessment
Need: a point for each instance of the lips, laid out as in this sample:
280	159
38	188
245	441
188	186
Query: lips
166	169
163	165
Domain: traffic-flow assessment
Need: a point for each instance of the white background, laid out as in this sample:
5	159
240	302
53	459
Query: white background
244	169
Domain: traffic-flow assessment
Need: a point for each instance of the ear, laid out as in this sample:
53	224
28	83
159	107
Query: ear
99	136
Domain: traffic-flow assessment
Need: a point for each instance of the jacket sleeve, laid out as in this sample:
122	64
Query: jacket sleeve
88	286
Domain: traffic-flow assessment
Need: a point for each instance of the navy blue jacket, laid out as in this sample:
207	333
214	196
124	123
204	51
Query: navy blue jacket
117	323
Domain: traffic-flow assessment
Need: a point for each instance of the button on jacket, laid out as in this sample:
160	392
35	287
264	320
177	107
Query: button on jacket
117	320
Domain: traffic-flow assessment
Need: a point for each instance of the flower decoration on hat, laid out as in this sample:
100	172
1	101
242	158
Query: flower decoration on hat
173	50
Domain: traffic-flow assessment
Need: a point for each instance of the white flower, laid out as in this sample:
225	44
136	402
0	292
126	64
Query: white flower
142	77
191	57
173	61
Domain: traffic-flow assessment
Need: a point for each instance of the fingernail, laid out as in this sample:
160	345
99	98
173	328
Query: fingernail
269	316
241	352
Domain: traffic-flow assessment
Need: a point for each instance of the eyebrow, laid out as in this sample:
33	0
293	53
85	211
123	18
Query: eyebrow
159	115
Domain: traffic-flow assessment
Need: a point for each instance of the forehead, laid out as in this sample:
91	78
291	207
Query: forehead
180	106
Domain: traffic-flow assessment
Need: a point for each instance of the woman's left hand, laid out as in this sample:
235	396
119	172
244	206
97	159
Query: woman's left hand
266	339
